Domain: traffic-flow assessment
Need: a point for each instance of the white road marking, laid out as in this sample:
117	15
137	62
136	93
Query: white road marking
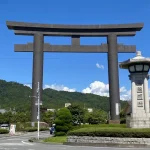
12	139
8	148
11	144
26	143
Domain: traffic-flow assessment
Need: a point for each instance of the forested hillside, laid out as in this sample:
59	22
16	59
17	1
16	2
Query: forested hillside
16	95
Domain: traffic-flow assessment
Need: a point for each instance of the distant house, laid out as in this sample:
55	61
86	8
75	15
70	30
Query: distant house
128	108
3	111
90	110
52	110
67	104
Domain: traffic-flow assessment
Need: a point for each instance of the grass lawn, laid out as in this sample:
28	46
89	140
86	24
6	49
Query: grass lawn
57	139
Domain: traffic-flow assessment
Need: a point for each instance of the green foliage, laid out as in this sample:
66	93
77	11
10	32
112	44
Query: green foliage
32	129
4	131
63	120
60	133
21	126
58	139
62	128
97	116
9	117
48	117
111	132
15	95
64	115
122	117
122	120
78	113
94	126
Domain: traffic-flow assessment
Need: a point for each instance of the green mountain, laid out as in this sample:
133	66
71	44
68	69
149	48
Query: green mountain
16	95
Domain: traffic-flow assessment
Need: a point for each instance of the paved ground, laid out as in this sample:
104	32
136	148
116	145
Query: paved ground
21	143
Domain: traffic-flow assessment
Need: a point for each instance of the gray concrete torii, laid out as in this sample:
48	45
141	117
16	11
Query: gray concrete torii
75	32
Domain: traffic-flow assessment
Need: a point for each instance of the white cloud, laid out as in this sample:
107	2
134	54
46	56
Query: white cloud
99	66
59	88
28	85
123	89
102	89
126	95
98	88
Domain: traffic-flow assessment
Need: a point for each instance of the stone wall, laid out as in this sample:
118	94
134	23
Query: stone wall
108	140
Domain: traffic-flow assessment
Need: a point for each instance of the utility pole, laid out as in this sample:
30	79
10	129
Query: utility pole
38	116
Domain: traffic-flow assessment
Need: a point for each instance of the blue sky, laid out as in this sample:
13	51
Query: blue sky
70	70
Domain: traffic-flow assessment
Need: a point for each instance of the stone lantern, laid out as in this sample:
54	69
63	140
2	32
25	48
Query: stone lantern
138	68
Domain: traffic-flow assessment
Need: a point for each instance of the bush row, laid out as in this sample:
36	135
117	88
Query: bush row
32	129
24	126
4	131
139	133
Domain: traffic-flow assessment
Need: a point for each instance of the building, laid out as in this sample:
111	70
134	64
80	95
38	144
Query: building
67	104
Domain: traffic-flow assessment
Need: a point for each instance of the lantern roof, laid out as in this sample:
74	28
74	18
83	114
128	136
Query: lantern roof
138	59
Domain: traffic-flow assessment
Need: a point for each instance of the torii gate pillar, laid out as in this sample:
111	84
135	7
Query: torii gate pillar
37	75
114	93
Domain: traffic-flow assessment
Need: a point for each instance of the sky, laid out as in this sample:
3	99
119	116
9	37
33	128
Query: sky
81	72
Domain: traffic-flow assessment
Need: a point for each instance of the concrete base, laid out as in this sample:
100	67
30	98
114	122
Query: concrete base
108	141
138	122
113	121
108	145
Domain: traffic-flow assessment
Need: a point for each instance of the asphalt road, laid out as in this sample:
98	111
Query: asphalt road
21	143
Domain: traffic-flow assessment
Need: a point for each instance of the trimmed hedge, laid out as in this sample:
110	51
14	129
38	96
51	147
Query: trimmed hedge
24	126
98	126
4	131
111	132
32	129
60	133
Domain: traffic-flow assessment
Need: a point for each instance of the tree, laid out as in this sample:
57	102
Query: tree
48	117
97	116
63	121
77	114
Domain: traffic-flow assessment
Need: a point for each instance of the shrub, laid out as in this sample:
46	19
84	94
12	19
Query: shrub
60	133
4	131
112	132
59	122
22	126
32	129
62	128
122	120
63	121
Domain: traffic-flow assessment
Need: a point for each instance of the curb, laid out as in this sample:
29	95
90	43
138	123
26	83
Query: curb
96	144
41	141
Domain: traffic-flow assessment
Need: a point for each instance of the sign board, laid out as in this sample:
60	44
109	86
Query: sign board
12	129
117	109
36	103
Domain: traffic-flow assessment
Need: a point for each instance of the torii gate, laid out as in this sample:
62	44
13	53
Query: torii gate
75	32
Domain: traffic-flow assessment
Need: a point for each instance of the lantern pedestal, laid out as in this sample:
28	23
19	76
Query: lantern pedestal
140	116
140	111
